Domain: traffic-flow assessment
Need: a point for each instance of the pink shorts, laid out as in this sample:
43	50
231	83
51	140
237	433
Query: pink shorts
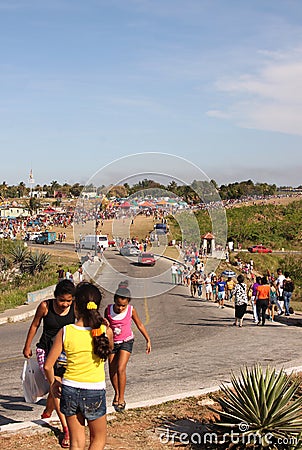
41	356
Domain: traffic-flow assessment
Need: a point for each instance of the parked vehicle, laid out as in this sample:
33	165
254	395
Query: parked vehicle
146	259
6	235
94	241
46	237
129	250
259	249
111	242
161	228
32	236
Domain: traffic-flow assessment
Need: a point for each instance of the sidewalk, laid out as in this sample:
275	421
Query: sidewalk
19	313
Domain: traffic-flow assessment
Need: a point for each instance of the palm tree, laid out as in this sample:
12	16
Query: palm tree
33	205
3	189
22	189
54	186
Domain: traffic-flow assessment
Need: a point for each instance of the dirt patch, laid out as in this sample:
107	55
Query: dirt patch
271	201
137	429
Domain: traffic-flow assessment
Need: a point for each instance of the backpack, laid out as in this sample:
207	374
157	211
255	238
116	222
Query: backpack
288	286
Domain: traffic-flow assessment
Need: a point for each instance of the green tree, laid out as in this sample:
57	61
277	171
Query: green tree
54	186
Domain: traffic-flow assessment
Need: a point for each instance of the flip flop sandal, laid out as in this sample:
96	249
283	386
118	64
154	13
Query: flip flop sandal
65	442
121	407
45	415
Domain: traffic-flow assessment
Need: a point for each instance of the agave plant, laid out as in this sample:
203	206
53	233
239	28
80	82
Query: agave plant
259	407
5	263
36	262
19	253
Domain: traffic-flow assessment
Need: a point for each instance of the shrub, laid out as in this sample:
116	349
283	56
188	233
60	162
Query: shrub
35	262
261	407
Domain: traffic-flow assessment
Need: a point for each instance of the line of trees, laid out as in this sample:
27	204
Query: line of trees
235	190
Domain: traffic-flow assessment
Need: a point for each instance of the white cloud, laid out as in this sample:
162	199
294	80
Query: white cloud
269	100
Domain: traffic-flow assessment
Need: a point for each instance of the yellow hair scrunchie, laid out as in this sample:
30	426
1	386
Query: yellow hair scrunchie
91	305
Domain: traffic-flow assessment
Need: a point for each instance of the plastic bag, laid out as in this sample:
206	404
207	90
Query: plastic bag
34	384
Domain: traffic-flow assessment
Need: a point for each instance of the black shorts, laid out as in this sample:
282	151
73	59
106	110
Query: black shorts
125	345
59	370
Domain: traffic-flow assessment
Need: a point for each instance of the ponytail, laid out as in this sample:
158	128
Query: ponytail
100	344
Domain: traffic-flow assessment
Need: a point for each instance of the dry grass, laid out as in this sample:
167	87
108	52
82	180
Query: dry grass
135	429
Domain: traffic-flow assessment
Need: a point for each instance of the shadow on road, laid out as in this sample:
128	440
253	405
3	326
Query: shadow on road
11	403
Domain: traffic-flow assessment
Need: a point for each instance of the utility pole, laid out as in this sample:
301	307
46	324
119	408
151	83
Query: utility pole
31	182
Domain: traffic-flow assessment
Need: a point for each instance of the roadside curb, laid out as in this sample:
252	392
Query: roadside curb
45	423
28	309
39	424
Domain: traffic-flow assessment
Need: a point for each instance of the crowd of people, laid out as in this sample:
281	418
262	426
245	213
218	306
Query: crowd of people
20	227
266	294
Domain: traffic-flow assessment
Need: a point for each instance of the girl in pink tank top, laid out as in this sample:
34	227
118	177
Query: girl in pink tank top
120	316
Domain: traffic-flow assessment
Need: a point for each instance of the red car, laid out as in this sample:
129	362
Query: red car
259	249
146	259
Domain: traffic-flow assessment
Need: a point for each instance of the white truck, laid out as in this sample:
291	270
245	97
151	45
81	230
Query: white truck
94	241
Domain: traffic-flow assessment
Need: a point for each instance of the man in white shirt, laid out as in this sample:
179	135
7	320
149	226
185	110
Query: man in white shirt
174	273
279	286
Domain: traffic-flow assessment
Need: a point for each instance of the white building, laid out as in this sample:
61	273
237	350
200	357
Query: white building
13	211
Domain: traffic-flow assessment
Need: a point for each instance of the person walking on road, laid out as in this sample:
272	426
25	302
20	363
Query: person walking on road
174	273
288	289
273	300
279	286
82	391
200	281
253	289
61	273
120	315
193	283
221	286
230	284
241	300
55	313
208	286
262	300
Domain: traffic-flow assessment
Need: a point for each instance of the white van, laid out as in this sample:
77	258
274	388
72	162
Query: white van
94	240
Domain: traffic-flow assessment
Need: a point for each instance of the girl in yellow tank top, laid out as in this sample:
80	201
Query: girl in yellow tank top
87	344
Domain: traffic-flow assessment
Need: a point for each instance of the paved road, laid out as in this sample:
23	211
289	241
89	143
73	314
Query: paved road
58	246
194	346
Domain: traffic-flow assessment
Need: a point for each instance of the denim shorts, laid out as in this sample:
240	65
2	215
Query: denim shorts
125	345
91	403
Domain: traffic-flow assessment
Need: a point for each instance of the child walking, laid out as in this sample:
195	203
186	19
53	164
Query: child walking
120	315
87	344
54	313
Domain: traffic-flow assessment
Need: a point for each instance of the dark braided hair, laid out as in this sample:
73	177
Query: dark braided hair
87	300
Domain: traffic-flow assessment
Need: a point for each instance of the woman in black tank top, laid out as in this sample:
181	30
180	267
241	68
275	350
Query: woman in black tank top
55	314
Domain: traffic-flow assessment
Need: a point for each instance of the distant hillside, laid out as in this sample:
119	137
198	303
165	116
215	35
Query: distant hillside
278	226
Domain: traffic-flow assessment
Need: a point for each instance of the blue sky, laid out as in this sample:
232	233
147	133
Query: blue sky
216	82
